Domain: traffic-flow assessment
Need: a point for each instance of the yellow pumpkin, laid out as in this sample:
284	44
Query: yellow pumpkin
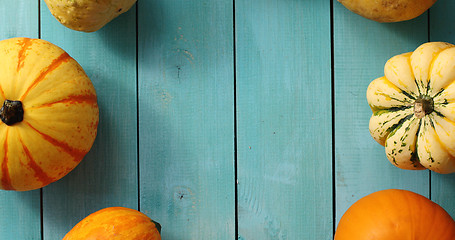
388	10
413	108
49	113
87	15
115	223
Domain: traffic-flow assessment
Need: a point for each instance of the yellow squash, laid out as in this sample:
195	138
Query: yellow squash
115	223
388	10
49	113
413	108
87	15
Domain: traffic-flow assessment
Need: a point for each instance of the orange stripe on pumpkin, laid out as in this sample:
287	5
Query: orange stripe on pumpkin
89	99
6	179
2	93
76	153
24	47
39	173
64	57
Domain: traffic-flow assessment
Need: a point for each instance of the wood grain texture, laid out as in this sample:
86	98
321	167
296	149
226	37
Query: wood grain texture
284	119
441	14
107	176
186	117
20	211
361	48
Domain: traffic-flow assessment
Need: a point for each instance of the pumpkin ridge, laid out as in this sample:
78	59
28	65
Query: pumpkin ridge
76	153
396	126
64	57
384	126
129	222
395	149
420	83
394	98
89	99
39	173
438	93
23	48
408	94
430	69
378	111
6	179
441	143
418	87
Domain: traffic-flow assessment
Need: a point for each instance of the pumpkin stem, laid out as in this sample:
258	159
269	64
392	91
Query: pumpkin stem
11	112
423	106
158	226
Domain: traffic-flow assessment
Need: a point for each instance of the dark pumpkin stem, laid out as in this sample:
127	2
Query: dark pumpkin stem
158	226
11	112
423	106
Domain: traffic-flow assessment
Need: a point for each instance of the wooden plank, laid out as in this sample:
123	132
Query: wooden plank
441	15
361	48
284	119
186	117
20	210
107	176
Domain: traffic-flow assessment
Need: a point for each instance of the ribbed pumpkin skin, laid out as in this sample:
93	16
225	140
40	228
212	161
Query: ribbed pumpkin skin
115	223
395	215
388	10
60	114
87	15
413	108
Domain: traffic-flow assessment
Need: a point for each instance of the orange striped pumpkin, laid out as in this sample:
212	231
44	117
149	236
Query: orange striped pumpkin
115	223
49	113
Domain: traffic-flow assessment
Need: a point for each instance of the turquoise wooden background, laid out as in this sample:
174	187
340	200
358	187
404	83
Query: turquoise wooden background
226	119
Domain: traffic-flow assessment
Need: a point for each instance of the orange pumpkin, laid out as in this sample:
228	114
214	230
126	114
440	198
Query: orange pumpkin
49	113
115	223
395	214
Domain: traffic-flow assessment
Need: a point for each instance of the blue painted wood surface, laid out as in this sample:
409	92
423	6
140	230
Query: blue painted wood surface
186	117
227	119
284	128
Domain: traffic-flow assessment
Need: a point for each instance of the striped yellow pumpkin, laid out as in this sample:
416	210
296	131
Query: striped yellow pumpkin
115	223
413	108
87	15
49	113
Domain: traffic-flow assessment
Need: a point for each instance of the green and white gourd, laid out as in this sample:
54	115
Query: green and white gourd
413	108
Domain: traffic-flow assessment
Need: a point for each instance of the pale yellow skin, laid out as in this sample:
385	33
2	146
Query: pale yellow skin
60	114
87	15
414	139
388	10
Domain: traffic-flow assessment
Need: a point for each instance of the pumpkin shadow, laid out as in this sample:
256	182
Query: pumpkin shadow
440	183
405	31
119	35
124	33
21	208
